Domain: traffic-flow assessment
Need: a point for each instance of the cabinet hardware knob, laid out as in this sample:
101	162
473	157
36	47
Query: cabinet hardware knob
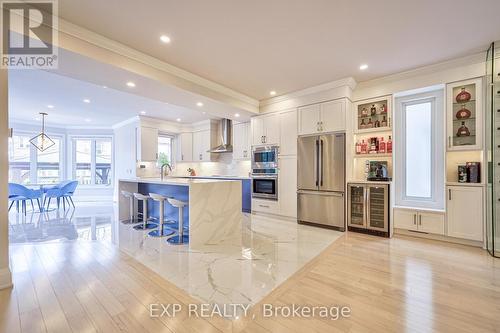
415	219
449	194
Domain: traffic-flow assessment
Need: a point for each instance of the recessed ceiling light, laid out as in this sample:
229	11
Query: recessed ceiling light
200	104
178	119
272	93
130	84
165	39
37	119
105	87
88	120
50	106
363	67
236	115
86	100
143	112
203	112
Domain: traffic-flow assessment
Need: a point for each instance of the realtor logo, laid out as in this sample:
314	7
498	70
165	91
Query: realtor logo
29	33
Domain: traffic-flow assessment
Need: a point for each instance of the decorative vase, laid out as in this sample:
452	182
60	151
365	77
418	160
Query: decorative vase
463	130
463	96
463	113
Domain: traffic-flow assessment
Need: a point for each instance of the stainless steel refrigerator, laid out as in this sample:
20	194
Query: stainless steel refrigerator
321	180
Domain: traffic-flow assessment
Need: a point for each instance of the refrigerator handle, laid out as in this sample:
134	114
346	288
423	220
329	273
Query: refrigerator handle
321	165
317	162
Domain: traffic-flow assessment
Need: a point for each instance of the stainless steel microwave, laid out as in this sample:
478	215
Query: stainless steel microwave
265	157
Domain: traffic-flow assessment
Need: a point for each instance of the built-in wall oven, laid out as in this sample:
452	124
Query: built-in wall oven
265	172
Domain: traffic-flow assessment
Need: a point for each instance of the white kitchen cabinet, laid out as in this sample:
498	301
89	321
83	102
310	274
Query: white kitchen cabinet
266	130
266	206
288	133
323	117
419	220
287	186
465	212
241	141
333	116
146	144
202	143
185	147
464	115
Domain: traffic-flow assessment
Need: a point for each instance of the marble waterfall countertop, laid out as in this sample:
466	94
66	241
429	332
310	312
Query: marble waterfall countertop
214	210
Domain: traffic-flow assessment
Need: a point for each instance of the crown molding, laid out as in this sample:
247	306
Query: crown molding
126	122
348	81
119	48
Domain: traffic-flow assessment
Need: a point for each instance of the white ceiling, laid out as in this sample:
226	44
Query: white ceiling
78	78
257	46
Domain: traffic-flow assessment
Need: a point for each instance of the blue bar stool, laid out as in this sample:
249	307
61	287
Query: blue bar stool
145	225
161	232
132	219
180	238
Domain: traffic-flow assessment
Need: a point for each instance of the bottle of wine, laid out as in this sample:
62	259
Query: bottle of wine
381	146
362	125
463	130
364	147
370	123
389	145
373	110
383	123
358	148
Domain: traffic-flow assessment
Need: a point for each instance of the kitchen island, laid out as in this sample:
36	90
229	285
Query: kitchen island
214	211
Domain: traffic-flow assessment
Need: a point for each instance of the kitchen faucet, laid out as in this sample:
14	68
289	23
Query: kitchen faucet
162	167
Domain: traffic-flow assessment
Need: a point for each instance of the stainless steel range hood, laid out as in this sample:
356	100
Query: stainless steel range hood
226	133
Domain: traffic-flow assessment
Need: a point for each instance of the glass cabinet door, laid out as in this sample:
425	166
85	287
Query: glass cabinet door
356	206
373	115
377	208
464	116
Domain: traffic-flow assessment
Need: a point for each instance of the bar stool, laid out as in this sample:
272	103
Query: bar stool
145	225
180	238
132	219
161	232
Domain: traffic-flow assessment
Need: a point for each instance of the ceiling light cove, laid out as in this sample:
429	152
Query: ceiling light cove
199	104
272	93
363	67
130	84
86	100
165	39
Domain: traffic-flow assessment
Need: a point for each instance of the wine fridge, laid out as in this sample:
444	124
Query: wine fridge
368	208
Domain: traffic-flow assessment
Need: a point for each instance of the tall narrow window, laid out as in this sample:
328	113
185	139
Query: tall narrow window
164	149
419	153
48	166
92	161
83	161
19	159
103	162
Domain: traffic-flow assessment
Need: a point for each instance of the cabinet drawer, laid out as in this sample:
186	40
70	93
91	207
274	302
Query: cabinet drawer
265	206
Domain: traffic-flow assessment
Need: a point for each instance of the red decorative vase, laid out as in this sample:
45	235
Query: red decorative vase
463	96
463	113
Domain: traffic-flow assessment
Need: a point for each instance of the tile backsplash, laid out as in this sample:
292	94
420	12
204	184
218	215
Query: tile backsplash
224	166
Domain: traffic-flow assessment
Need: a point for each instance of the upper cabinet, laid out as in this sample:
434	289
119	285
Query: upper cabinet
373	115
266	130
288	133
146	144
203	141
464	115
323	117
185	147
241	141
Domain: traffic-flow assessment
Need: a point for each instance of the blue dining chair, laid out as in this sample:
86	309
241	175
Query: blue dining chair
20	193
64	191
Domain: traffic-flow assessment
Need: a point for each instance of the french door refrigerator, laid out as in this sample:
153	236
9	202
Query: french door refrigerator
321	180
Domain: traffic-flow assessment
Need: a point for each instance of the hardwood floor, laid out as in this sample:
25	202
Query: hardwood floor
401	284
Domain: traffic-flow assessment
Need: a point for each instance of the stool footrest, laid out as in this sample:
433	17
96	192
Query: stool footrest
177	240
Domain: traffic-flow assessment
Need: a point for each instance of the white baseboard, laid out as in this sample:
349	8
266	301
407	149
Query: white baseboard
5	278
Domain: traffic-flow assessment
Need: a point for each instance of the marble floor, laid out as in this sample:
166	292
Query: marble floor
270	250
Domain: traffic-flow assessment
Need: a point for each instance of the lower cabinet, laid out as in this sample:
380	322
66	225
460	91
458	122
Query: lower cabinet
464	206
266	206
419	220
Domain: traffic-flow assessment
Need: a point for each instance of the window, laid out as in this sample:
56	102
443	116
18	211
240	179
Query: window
28	165
419	153
92	158
164	149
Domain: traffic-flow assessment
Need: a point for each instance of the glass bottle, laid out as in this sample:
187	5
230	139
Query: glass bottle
383	109
362	125
373	145
370	124
463	130
373	110
463	96
358	147
383	123
463	113
377	123
364	147
389	145
364	112
381	146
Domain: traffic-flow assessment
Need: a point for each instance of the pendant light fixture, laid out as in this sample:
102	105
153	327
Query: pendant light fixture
42	141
